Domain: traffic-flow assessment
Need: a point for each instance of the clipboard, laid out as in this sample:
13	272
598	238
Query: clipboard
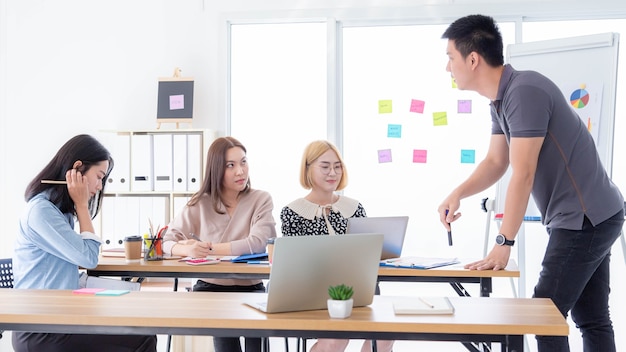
418	262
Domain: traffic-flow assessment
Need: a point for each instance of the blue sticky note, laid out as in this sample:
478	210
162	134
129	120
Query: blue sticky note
468	156
112	292
394	131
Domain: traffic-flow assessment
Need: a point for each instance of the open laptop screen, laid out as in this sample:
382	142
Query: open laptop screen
303	267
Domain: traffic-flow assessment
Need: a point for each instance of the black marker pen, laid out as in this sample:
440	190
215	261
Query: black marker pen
449	232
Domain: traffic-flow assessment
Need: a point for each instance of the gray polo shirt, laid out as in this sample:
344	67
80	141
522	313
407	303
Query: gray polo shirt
570	181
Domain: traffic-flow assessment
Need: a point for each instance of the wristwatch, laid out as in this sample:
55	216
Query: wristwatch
502	241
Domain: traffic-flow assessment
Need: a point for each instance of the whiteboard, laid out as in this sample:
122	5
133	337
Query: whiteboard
589	60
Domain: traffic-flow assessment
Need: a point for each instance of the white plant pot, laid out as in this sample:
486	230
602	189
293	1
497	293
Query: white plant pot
339	309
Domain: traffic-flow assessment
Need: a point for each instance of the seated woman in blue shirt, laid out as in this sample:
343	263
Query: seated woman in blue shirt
48	251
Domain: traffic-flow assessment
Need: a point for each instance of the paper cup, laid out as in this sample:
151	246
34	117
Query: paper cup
132	248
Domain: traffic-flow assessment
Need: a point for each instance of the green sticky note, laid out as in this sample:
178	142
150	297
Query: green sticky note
440	118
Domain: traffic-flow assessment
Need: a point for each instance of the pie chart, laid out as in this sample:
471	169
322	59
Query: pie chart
579	98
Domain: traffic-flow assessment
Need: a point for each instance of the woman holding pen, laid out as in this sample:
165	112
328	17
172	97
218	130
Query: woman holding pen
225	217
48	251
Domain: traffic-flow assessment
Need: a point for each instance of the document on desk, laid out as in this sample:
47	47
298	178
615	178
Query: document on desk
217	258
244	258
422	305
418	262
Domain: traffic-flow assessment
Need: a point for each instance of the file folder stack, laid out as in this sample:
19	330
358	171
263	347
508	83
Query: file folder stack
154	174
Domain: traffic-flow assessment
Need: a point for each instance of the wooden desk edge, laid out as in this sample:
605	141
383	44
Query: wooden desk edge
112	264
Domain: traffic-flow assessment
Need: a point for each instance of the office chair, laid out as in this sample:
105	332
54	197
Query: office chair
6	273
6	276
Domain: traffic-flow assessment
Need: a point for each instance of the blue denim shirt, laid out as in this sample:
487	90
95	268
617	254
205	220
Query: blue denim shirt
48	251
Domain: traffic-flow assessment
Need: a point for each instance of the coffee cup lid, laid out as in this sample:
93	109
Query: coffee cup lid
132	238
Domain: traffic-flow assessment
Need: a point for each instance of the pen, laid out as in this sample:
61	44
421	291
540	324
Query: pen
426	302
54	182
195	237
449	232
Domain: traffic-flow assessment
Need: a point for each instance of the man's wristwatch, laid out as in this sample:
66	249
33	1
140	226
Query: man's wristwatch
502	241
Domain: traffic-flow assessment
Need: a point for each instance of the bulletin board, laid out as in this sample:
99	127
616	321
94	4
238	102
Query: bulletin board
175	100
585	69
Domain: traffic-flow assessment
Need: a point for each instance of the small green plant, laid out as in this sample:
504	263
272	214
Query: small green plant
340	292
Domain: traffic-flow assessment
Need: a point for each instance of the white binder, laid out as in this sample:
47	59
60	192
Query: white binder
119	147
160	211
194	162
162	161
132	225
121	227
145	216
141	162
179	167
107	221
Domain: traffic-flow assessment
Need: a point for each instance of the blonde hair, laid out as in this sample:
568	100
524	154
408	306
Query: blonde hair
311	153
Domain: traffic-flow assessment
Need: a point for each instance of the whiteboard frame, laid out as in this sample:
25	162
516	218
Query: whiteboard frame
604	43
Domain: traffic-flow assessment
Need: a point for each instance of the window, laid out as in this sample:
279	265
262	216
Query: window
278	101
402	154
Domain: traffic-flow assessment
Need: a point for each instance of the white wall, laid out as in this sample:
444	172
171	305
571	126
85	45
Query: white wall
72	66
83	67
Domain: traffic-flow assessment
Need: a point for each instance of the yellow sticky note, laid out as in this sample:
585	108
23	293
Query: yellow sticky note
440	118
384	106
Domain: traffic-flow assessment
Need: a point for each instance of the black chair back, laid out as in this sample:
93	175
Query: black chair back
6	273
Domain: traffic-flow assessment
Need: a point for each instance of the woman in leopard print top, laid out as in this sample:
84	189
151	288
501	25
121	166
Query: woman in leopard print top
323	212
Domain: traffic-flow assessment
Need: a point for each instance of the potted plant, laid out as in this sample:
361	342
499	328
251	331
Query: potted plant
340	301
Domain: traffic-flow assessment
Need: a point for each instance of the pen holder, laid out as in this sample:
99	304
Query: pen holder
154	248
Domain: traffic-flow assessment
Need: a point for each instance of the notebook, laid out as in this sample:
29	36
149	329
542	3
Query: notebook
303	267
392	227
422	305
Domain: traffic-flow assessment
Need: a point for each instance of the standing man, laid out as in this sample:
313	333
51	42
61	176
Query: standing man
552	155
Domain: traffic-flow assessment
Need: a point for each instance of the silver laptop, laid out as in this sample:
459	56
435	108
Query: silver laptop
393	227
303	267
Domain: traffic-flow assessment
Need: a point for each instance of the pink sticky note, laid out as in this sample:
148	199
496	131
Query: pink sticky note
419	155
384	156
417	106
87	291
177	102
